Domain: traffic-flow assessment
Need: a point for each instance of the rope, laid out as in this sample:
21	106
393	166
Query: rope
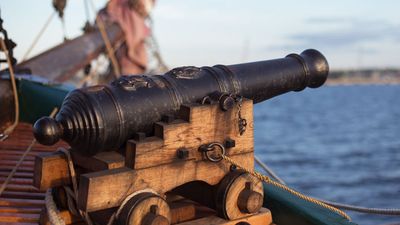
381	211
35	41
155	49
10	129
10	176
74	194
52	211
268	170
87	13
286	188
110	50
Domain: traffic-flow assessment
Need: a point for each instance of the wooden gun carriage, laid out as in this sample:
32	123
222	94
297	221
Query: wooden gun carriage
167	178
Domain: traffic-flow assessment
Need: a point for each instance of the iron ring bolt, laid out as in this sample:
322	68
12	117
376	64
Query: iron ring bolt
207	149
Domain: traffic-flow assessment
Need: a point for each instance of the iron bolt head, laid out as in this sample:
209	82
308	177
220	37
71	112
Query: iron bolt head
229	143
182	153
226	102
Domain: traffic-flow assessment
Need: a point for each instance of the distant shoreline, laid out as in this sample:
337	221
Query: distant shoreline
364	77
361	81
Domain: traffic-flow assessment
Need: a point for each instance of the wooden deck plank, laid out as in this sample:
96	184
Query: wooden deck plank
19	217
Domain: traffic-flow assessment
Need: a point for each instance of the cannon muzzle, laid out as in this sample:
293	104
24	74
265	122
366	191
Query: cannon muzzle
104	117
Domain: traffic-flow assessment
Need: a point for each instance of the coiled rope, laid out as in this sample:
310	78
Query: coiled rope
380	211
52	210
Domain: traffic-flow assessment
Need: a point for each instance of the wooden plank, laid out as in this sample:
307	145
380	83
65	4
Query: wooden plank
97	192
16	152
262	218
51	170
21	202
23	188
16	157
20	169
14	163
182	211
22	195
21	146
19	217
11	209
17	174
20	223
27	181
100	161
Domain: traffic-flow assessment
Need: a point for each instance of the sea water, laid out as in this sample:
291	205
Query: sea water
339	143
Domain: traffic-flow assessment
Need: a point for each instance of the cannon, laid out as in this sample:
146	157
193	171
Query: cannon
102	118
143	145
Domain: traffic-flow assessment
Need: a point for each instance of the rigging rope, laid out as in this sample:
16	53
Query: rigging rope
10	176
155	49
268	170
268	180
38	36
10	129
381	211
87	13
110	49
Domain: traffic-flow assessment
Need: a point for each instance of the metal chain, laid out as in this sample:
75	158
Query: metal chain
242	123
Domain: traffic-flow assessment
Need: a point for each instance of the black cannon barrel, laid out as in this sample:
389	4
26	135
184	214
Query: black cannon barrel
103	117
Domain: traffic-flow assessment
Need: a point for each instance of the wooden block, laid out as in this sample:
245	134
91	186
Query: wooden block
107	189
149	143
50	170
100	161
182	211
104	189
264	217
203	124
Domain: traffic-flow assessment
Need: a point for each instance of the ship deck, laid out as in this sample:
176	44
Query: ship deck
21	202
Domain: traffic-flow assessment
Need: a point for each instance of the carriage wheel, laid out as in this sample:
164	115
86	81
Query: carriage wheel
145	209
238	195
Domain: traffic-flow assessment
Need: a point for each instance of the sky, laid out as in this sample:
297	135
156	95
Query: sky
350	33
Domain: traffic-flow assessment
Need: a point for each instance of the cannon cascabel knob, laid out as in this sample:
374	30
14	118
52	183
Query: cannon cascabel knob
47	131
317	66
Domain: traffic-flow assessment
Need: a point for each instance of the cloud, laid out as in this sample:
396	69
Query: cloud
333	33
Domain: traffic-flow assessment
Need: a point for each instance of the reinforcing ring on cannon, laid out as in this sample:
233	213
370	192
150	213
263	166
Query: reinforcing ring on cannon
211	148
